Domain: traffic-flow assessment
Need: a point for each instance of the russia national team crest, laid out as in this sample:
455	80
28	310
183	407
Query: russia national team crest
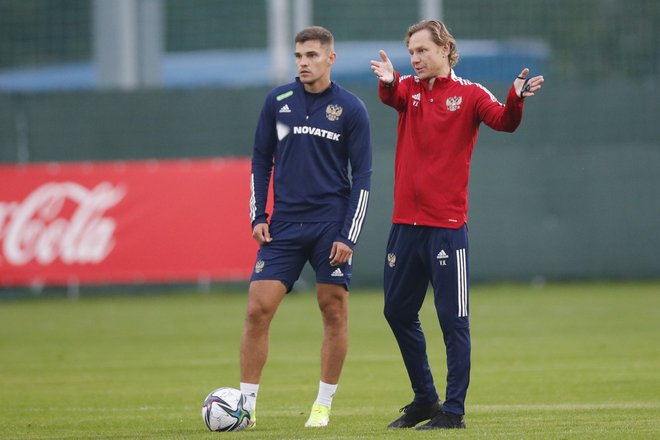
333	112
259	266
454	103
391	259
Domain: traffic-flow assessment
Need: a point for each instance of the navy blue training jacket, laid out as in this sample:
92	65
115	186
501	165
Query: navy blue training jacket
307	141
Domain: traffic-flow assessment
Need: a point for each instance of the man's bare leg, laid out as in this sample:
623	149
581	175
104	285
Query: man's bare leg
264	297
333	302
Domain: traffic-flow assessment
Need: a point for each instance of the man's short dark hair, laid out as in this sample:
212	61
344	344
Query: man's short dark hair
317	33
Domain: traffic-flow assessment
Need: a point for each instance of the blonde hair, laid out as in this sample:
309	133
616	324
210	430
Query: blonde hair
440	35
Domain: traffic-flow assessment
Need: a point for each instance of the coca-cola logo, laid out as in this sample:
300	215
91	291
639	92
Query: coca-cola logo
59	221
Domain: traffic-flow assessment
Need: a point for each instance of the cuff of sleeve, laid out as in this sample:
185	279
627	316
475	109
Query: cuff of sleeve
514	95
258	220
346	241
393	83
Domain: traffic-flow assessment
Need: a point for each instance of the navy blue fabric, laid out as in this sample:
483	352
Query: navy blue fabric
293	245
415	257
307	141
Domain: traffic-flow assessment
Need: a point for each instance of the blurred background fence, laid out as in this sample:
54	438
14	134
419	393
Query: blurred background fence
591	40
573	194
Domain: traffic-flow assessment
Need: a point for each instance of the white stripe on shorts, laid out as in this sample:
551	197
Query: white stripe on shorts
461	265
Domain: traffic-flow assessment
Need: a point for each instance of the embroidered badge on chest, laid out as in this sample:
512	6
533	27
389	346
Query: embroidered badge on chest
454	103
333	112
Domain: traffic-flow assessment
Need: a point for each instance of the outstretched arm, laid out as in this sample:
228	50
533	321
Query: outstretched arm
508	117
525	86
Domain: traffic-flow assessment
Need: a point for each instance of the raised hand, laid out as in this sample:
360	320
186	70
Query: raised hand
383	69
525	86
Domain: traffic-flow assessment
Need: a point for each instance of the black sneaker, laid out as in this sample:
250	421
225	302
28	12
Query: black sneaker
414	414
444	420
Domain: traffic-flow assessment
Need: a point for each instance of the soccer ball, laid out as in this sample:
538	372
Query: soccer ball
226	409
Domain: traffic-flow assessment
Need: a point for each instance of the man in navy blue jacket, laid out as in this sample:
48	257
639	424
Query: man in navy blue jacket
313	137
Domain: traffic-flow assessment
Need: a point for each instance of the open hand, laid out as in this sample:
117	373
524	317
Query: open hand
383	69
525	86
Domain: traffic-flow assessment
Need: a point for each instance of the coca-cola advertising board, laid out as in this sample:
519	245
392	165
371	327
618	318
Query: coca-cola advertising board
125	222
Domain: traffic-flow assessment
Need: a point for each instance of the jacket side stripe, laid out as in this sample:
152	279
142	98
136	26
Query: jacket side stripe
253	199
358	217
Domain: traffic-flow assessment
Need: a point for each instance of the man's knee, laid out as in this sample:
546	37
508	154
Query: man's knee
333	303
390	313
395	314
263	301
258	313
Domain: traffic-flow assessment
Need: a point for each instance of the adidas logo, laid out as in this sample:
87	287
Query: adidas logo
285	109
337	273
417	96
442	255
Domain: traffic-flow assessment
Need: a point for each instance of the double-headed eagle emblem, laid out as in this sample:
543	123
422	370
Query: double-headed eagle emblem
333	112
454	103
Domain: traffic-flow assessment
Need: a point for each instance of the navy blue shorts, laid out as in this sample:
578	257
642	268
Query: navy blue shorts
293	245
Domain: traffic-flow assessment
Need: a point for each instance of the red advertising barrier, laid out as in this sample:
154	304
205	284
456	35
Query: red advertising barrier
125	222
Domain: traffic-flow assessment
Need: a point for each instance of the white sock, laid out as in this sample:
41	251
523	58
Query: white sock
326	393
250	390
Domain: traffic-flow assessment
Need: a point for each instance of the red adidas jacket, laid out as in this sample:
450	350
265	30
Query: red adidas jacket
436	135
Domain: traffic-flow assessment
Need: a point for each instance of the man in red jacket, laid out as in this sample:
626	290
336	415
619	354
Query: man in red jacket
439	118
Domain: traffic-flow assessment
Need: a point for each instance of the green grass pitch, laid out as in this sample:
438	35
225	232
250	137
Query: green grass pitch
564	361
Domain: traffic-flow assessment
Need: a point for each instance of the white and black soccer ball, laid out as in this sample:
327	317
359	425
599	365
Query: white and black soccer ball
226	409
